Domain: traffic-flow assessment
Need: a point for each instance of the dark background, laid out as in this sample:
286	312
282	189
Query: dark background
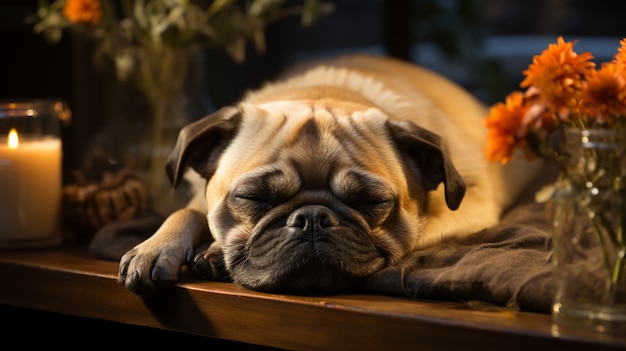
481	44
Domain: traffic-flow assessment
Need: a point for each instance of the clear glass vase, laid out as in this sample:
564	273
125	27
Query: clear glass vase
161	94
589	219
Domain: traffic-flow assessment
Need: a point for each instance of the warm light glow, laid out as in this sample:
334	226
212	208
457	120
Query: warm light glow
13	140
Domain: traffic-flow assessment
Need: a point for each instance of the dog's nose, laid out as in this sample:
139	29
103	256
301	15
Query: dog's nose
312	220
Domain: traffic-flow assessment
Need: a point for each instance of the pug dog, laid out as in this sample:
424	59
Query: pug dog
320	179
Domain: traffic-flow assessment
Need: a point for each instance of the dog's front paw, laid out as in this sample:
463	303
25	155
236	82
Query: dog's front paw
148	268
208	263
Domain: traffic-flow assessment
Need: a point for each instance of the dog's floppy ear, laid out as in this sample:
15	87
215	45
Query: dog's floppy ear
200	143
432	158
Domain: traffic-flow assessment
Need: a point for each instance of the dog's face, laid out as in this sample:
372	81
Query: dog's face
306	197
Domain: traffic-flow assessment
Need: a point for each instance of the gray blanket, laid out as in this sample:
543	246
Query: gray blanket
507	265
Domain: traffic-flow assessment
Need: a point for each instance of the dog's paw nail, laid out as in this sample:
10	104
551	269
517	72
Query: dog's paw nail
189	256
123	270
156	273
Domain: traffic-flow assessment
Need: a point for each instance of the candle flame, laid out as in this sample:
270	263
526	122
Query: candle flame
13	140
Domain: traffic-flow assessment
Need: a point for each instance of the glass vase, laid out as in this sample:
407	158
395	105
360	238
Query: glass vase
161	94
588	232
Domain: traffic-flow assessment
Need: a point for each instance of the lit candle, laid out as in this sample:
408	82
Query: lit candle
30	190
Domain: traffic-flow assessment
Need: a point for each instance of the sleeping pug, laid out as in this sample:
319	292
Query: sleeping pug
315	182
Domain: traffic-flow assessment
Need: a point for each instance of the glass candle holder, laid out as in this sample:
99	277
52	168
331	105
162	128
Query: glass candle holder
30	172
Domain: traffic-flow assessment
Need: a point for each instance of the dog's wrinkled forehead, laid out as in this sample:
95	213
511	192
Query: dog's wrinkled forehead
317	137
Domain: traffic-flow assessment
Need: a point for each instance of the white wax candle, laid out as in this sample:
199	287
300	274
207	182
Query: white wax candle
30	190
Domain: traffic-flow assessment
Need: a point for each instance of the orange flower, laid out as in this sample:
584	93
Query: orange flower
83	11
506	128
604	96
620	57
564	89
558	73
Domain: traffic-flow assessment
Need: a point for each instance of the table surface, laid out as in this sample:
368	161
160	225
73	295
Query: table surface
70	281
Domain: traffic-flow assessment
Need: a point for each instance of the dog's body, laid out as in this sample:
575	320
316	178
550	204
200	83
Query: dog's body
319	180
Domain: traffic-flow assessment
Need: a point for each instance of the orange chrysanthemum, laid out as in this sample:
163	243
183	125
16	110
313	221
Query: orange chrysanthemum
620	57
506	128
604	96
83	11
564	89
558	73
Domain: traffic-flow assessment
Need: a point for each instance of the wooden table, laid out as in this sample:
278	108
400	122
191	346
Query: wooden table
68	281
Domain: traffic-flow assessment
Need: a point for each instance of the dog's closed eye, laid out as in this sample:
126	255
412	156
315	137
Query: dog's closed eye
259	192
251	203
370	195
